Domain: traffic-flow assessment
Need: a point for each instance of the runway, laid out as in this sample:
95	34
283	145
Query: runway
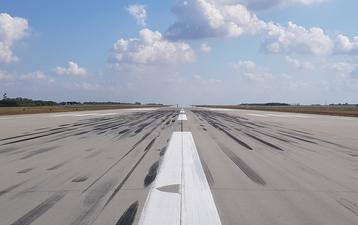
167	166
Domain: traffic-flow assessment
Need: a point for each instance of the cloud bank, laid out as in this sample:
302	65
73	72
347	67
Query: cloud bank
202	19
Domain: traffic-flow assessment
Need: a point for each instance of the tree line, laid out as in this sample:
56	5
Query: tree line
26	102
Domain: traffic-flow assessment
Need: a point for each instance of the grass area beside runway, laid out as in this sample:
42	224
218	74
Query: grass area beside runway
69	108
351	111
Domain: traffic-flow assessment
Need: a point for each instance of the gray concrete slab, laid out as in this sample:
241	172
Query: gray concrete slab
263	168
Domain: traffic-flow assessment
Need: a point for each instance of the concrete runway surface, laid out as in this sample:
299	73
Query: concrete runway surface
219	167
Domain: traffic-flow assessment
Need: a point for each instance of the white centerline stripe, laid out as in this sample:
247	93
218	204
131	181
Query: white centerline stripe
182	117
181	194
198	204
163	208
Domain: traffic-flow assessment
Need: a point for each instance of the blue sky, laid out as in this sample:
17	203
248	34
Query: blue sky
186	52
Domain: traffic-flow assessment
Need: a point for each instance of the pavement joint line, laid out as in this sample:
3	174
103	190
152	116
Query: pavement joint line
194	204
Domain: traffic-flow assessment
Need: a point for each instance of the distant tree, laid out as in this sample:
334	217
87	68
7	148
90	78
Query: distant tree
4	96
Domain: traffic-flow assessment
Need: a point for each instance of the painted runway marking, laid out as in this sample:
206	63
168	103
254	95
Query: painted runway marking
181	194
290	116
71	114
182	111
141	109
219	109
15	117
258	115
163	208
83	115
182	117
198	206
280	115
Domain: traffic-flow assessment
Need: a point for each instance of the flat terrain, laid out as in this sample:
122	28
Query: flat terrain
69	108
105	167
320	110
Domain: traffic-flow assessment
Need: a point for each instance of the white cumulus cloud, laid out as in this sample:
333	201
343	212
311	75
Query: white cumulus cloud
12	29
266	4
249	70
73	69
150	49
344	44
212	18
297	39
139	12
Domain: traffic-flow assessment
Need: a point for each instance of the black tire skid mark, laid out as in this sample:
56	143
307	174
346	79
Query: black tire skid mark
93	124
275	137
245	168
127	153
297	138
55	167
25	170
351	206
264	142
80	179
34	133
32	138
121	184
9	149
7	190
129	215
91	203
283	133
233	137
39	210
236	139
39	151
152	174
